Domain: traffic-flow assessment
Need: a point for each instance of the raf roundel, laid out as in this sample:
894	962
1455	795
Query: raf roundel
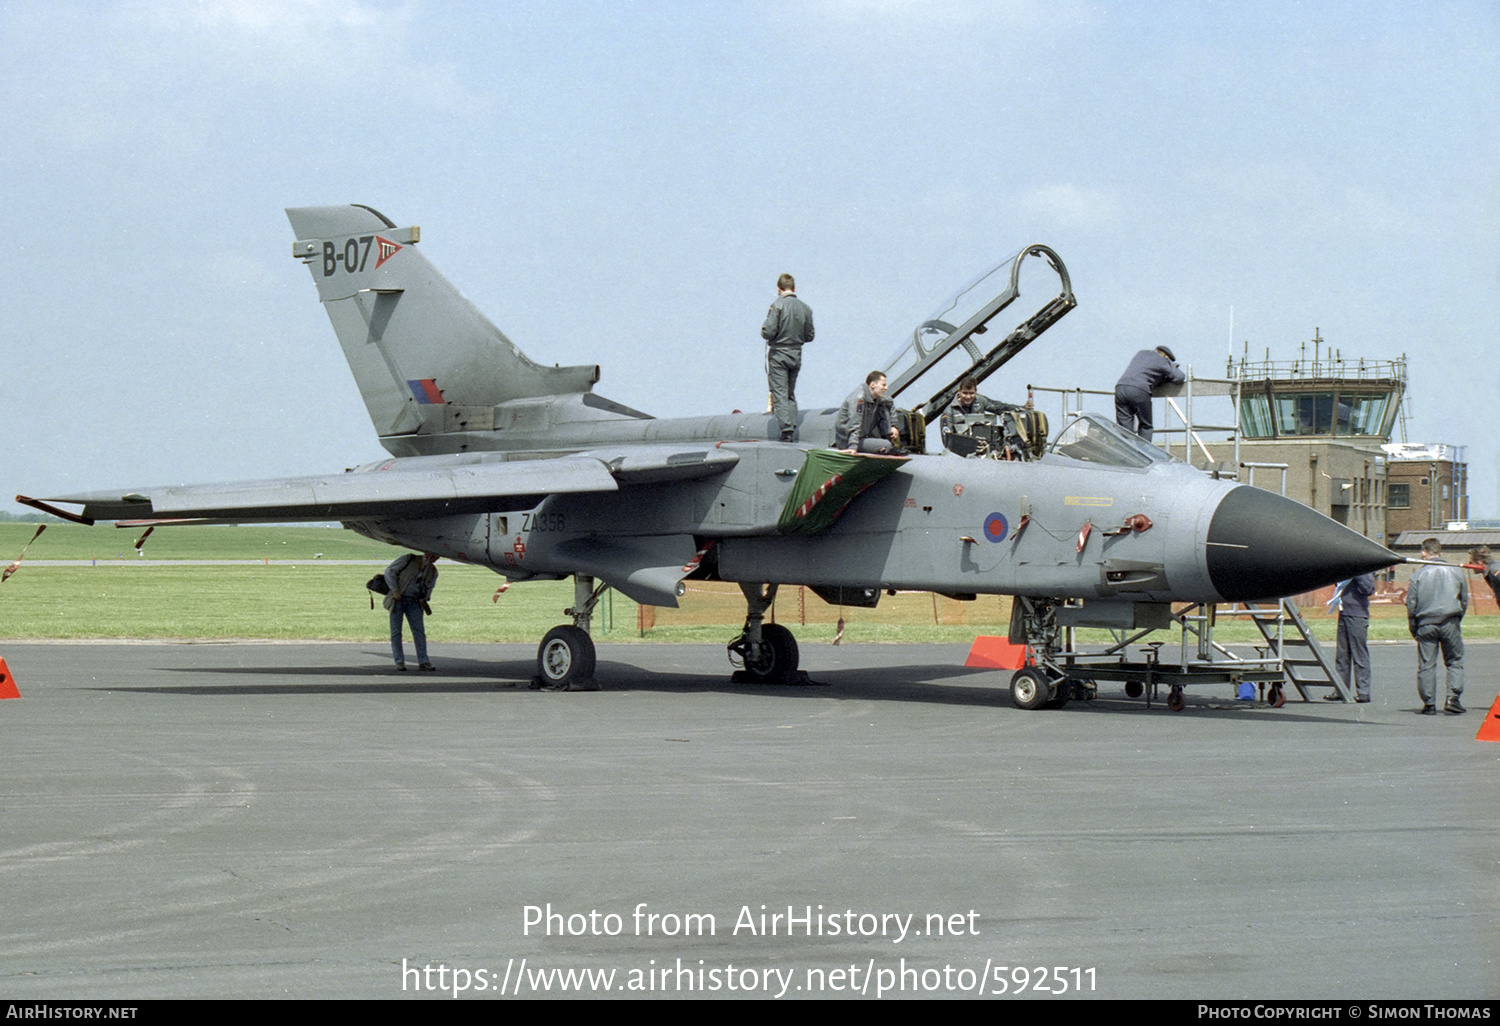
995	527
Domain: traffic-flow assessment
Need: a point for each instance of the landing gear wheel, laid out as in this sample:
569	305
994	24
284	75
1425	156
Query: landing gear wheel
1134	689
565	659
1175	701
1275	697
1030	688
778	656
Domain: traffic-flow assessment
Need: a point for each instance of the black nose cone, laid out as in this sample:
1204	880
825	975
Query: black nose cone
1263	546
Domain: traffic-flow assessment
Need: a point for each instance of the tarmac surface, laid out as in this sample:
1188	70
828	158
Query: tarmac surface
266	820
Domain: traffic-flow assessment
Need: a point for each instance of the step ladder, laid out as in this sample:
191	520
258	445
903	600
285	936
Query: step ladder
1288	637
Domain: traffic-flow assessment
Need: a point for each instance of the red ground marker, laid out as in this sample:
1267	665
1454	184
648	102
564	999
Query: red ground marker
996	654
7	682
1489	730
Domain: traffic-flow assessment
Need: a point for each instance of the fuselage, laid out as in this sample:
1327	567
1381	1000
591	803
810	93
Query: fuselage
1059	527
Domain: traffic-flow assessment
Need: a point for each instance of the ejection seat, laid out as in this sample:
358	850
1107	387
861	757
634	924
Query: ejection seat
1007	435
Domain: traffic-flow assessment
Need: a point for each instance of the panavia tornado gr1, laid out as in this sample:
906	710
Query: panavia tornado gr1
521	467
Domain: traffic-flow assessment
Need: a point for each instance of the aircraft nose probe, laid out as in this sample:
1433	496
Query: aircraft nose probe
1262	545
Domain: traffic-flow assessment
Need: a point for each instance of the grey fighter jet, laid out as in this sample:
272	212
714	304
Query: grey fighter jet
522	468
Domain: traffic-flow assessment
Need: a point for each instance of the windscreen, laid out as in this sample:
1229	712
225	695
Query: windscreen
1095	440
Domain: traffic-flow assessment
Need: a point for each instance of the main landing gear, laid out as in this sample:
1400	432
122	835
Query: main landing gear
766	653
565	658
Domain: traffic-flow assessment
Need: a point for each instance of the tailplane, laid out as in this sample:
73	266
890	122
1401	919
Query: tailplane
425	359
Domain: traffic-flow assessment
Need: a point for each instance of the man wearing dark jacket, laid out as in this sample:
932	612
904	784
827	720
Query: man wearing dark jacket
1353	652
1148	369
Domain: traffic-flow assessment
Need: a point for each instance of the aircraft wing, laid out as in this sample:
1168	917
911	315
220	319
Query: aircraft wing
400	488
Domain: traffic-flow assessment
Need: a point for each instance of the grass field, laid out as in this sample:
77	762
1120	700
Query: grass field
74	541
312	601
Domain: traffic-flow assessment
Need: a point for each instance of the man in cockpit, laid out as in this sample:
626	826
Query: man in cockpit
969	402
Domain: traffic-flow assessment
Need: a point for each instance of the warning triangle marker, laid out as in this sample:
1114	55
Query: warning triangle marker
1489	730
7	682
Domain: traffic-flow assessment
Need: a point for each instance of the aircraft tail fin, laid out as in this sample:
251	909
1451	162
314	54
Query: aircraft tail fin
424	357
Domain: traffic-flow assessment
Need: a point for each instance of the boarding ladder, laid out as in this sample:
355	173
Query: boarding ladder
1288	636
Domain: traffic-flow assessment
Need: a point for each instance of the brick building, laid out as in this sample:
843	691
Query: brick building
1426	487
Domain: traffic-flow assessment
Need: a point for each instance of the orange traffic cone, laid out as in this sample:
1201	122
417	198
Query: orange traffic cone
7	682
1489	730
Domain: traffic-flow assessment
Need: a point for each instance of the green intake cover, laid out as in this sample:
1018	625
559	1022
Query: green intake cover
828	482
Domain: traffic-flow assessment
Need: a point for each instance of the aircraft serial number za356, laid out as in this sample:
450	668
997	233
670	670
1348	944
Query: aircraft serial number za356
543	522
615	498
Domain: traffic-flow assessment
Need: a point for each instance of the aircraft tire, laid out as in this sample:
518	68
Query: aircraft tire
1030	688
781	658
565	658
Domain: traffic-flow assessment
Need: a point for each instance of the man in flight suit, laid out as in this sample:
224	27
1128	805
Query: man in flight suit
967	402
1436	599
864	421
788	327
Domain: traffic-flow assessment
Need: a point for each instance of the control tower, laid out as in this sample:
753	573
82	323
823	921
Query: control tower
1325	418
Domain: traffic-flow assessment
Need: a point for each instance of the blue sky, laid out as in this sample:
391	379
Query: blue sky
620	183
